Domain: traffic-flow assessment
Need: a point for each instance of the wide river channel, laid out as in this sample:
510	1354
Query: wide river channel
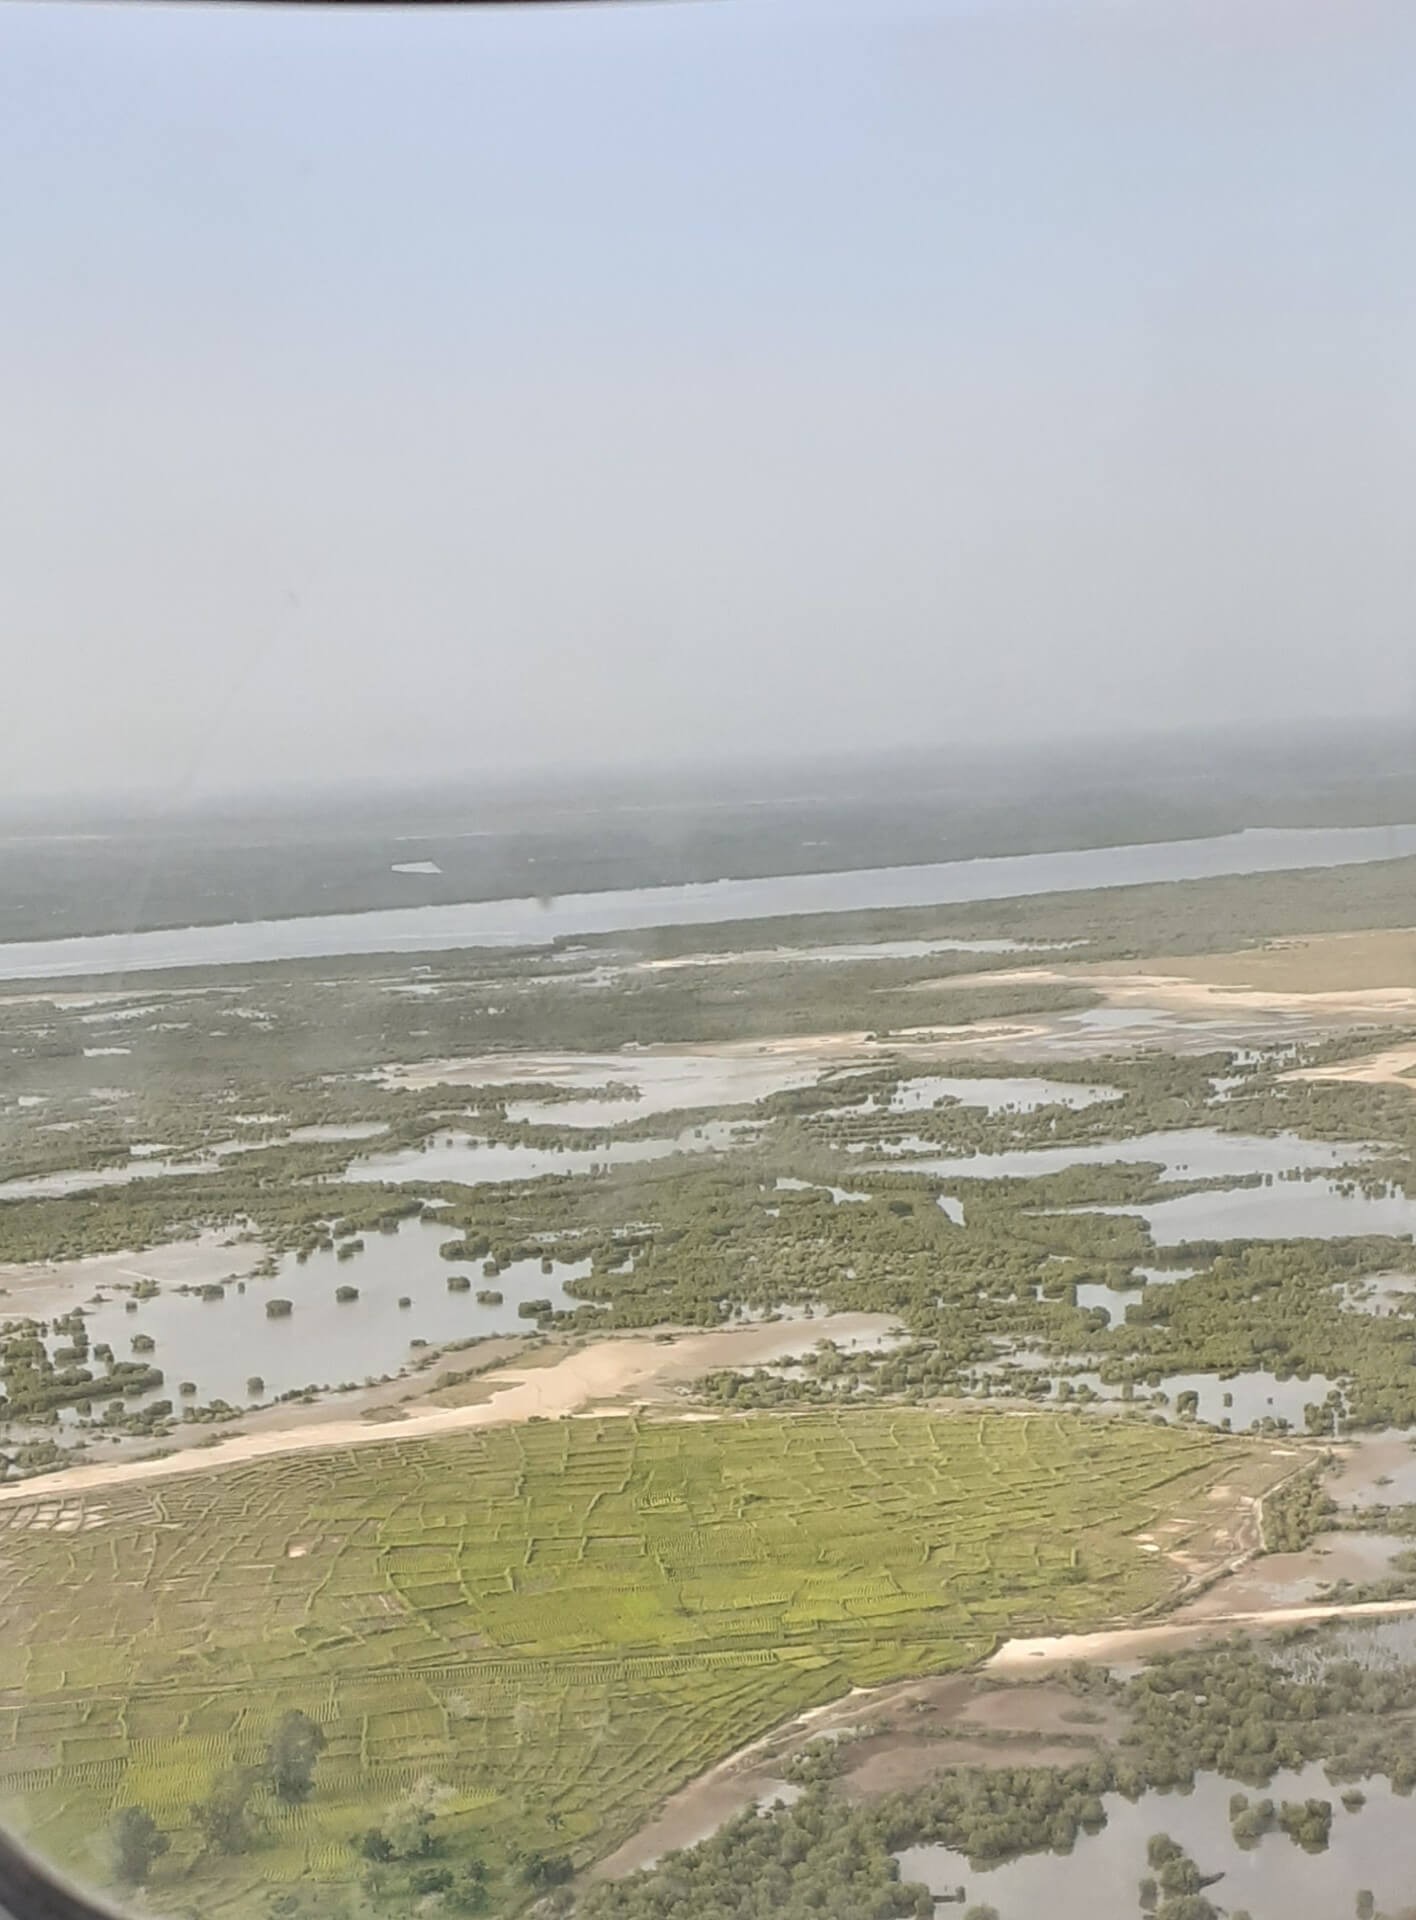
538	922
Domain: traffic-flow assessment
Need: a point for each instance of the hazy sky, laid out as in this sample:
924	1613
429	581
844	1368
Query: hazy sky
452	390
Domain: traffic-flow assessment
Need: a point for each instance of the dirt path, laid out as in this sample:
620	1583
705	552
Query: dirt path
1129	1643
613	1375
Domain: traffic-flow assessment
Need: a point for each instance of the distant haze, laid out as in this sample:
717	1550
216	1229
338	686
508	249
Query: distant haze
427	394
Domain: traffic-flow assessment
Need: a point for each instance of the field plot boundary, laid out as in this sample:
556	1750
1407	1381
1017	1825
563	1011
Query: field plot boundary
558	1622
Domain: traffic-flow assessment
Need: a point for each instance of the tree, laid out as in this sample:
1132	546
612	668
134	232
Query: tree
1251	1822
222	1816
542	1870
1308	1822
1180	1875
469	1893
136	1844
295	1746
409	1830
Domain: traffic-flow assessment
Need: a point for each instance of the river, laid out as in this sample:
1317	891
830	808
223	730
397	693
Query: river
537	922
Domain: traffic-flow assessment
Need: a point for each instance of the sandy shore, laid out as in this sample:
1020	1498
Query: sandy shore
1181	995
1180	992
1375	960
613	1375
1395	1067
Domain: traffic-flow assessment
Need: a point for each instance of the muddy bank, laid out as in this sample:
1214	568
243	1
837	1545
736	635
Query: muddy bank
664	1078
891	1737
1004	1714
46	1288
1378	1468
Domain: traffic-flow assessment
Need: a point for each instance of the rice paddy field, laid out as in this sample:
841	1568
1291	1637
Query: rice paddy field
557	1623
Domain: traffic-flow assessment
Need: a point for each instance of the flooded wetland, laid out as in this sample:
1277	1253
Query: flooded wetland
965	1176
708	963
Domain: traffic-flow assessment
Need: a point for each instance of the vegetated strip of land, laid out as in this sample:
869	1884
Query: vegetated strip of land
1172	917
558	1622
88	870
1169	917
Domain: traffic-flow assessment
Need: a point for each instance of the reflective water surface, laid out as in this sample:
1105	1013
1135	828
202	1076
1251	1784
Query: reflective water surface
471	1162
220	1343
530	922
1374	1848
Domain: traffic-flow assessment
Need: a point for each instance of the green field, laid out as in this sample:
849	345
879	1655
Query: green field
557	1622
